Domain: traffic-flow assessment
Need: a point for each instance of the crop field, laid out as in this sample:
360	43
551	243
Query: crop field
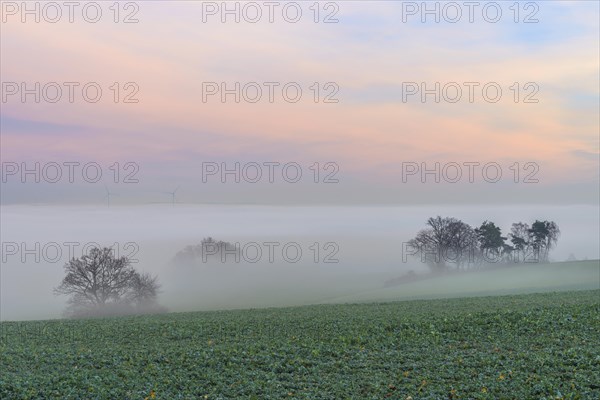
533	346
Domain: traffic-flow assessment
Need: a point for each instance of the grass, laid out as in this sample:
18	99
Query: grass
506	347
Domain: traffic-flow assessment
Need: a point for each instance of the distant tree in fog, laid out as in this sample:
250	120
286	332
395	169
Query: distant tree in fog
544	236
208	249
491	242
144	288
534	243
450	242
445	242
463	244
520	238
99	283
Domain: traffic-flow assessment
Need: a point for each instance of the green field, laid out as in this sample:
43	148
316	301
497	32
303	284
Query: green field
531	346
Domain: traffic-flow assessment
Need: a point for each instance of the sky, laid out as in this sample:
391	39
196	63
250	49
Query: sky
366	61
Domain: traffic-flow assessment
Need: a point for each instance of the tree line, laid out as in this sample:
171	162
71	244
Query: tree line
449	243
99	283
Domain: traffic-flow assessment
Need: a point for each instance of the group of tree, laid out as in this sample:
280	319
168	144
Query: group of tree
100	284
451	243
206	250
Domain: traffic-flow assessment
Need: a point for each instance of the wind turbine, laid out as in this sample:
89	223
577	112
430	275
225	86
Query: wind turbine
173	195
108	194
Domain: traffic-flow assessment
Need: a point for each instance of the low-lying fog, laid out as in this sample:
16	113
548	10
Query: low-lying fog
365	241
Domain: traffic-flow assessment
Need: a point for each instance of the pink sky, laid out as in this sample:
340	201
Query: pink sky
170	53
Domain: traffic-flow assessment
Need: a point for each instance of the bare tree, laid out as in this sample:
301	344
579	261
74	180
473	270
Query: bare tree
446	240
552	238
463	244
144	288
520	238
98	281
